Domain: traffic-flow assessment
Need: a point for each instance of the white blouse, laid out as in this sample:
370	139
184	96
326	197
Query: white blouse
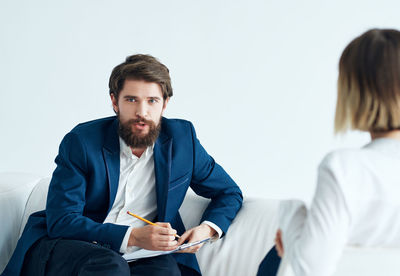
357	202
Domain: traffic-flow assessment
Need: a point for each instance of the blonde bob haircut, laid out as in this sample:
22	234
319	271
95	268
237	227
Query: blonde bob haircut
369	83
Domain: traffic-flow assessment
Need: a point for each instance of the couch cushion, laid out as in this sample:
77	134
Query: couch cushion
249	238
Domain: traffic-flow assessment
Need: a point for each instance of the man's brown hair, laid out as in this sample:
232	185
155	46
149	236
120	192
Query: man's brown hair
369	83
140	67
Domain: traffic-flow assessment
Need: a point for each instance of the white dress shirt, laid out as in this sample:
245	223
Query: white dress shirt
357	202
136	193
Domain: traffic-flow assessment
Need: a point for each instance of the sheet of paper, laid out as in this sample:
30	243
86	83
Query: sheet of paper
144	253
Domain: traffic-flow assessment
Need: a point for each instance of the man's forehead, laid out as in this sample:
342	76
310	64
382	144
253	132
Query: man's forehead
140	82
132	95
140	88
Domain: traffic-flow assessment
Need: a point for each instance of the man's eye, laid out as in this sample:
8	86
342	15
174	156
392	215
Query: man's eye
131	100
152	101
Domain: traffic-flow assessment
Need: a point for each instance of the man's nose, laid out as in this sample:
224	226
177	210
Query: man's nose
142	110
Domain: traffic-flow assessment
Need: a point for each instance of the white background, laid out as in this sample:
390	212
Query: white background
257	78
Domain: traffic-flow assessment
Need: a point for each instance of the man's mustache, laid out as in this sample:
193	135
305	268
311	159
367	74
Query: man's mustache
140	121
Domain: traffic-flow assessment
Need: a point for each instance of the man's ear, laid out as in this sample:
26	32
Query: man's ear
114	102
166	101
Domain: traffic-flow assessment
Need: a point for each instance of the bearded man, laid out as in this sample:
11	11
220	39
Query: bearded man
135	161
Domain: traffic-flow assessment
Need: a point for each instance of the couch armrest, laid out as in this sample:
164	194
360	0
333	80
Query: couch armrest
36	201
15	189
247	241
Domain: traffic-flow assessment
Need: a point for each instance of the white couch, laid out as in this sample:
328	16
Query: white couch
237	254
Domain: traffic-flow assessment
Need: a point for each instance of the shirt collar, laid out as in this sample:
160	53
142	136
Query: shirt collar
126	150
387	145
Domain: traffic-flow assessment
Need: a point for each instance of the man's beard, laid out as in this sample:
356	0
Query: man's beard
135	140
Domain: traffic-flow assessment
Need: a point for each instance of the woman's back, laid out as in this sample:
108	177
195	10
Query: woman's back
357	202
370	181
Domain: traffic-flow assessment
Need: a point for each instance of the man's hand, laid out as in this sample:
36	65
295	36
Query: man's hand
198	233
152	237
278	243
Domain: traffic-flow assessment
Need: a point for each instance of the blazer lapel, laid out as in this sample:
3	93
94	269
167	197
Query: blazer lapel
162	166
111	157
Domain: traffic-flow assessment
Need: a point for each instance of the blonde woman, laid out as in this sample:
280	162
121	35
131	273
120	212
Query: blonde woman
357	200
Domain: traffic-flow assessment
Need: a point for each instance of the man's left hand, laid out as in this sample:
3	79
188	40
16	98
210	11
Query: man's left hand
198	233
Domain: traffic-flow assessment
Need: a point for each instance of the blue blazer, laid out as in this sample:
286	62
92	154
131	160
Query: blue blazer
84	184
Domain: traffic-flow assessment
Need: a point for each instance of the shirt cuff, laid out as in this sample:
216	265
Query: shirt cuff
216	228
124	245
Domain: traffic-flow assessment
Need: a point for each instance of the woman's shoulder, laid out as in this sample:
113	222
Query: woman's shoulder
349	170
345	159
379	152
358	173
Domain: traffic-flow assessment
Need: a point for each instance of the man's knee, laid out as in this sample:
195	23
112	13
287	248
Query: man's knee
176	271
164	265
170	267
104	263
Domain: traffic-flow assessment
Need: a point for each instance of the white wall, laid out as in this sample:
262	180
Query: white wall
257	78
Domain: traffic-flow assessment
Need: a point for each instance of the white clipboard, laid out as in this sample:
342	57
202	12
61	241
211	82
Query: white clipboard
144	253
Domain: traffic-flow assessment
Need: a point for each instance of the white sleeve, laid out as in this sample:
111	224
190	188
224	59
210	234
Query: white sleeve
216	228
124	245
314	240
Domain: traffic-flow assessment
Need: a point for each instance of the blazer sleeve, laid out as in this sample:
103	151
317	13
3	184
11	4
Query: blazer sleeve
66	199
209	180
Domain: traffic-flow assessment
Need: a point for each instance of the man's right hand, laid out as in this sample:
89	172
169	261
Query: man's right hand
161	237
